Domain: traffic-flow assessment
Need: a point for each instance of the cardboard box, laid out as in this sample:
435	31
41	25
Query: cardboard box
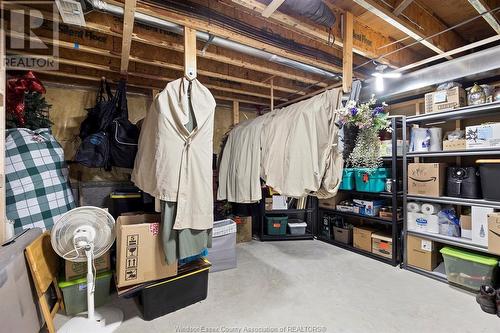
332	202
368	207
480	225
139	250
362	238
382	245
423	222
243	229
268	203
466	226
494	233
342	235
388	215
421	253
75	270
426	179
445	100
460	144
483	136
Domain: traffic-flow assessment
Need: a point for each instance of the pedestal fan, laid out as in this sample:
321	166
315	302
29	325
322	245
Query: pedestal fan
80	235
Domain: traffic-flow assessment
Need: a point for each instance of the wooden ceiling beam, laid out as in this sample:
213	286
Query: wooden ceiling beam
128	27
482	7
430	24
271	8
401	6
368	43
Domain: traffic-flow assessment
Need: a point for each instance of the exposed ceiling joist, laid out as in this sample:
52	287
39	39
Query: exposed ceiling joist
271	8
128	27
401	6
482	8
377	9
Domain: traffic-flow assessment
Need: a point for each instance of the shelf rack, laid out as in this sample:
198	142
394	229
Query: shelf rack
456	114
395	224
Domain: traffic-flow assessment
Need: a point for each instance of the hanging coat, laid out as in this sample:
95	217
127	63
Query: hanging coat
173	164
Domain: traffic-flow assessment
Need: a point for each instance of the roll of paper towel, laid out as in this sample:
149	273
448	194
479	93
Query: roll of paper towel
430	208
420	139
413	207
436	134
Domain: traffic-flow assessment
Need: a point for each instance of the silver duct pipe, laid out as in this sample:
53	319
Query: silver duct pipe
222	42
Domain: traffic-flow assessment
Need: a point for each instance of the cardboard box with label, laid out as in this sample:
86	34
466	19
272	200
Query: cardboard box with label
480	224
362	238
382	244
460	144
494	233
426	179
368	207
485	136
422	253
75	270
466	226
445	100
342	235
243	228
139	250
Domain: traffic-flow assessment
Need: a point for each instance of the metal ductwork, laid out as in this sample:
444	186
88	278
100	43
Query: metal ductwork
314	10
149	20
475	66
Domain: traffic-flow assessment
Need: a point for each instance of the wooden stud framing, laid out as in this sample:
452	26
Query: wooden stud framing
3	218
271	8
347	50
272	94
128	27
401	6
189	53
236	112
482	7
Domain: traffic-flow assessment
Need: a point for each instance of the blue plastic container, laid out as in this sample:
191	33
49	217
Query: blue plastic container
347	182
370	180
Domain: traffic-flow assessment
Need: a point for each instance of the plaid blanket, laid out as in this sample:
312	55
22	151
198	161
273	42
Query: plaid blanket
36	176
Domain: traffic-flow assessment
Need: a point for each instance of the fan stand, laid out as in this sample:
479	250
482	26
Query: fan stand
104	320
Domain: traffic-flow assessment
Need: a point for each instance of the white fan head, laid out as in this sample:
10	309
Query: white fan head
82	227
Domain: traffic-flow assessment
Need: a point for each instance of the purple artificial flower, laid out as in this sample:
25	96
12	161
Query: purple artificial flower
378	110
354	111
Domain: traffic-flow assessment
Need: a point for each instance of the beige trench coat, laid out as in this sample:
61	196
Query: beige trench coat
173	164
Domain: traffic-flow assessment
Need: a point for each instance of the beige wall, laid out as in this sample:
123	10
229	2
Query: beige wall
68	111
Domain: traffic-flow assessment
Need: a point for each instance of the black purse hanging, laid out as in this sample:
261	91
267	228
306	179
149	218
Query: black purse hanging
123	135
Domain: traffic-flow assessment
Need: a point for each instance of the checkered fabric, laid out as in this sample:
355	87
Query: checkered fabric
37	187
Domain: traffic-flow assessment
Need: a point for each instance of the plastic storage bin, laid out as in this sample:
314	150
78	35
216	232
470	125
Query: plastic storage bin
347	182
489	171
222	255
370	180
297	227
468	269
75	293
276	225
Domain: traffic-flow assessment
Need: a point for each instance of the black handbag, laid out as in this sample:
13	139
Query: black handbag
100	116
124	136
94	151
463	182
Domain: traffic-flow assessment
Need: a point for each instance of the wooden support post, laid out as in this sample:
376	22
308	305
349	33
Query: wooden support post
189	53
128	27
272	94
348	25
236	112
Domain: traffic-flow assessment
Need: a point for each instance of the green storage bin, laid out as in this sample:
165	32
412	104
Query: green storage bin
276	225
371	180
75	293
468	269
347	182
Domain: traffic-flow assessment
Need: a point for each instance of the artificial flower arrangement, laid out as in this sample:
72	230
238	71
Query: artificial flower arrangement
370	120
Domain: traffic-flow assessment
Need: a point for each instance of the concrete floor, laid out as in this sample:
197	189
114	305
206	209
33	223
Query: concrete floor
310	283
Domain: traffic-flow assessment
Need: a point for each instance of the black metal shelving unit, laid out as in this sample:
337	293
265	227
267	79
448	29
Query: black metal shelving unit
432	118
396	196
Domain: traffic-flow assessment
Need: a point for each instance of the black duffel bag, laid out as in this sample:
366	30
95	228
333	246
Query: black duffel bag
100	116
124	136
94	151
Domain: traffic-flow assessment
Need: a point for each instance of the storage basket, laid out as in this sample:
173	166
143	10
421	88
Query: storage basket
222	254
468	269
297	227
276	225
370	180
489	171
347	182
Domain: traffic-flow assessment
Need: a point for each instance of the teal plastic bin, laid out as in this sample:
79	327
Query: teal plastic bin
347	182
371	180
75	293
276	225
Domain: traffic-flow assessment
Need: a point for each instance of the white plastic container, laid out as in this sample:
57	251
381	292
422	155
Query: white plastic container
222	254
298	228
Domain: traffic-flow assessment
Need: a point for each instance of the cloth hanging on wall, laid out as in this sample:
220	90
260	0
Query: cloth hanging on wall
174	164
293	149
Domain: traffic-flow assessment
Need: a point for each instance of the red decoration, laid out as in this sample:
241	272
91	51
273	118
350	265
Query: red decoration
16	88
